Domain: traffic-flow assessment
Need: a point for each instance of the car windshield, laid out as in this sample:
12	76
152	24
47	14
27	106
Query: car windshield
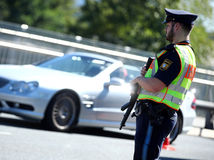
82	65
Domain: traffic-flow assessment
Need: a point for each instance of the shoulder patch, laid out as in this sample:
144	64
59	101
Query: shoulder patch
165	65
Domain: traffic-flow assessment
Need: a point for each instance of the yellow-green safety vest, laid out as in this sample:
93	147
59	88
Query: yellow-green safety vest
174	94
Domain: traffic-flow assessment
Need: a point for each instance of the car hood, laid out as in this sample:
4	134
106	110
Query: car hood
47	78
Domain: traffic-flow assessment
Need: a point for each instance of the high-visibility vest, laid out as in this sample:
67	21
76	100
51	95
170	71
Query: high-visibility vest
174	94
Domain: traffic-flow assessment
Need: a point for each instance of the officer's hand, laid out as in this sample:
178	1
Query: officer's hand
143	71
133	82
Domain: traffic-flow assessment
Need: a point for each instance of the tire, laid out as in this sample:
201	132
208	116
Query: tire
176	130
62	113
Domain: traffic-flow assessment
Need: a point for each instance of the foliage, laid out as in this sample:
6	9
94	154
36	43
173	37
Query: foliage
138	23
134	23
55	15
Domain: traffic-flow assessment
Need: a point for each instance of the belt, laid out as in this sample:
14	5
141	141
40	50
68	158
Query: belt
157	108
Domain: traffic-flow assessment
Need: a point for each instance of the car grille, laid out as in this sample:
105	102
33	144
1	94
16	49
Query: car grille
3	82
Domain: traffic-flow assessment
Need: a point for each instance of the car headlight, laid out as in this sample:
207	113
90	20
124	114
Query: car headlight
23	87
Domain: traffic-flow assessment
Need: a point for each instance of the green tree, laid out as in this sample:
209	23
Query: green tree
55	15
137	23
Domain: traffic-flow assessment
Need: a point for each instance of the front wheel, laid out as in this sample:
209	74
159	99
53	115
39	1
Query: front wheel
62	112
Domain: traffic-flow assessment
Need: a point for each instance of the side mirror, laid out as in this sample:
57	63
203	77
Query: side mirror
115	81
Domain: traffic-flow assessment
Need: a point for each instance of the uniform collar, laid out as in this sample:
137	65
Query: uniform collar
171	46
183	43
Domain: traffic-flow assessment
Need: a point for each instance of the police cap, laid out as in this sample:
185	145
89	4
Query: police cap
180	16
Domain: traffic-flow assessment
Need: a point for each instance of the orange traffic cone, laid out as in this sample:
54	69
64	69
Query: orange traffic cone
166	145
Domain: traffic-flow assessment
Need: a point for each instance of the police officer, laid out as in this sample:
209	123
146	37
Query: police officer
164	85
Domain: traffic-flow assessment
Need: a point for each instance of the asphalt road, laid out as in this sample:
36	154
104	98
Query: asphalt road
21	140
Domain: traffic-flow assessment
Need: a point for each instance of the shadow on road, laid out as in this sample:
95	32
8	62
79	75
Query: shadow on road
104	133
20	123
17	122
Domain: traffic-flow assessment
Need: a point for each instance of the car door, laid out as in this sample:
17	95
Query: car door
114	94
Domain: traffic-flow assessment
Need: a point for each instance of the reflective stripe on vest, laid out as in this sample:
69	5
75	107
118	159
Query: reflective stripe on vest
174	94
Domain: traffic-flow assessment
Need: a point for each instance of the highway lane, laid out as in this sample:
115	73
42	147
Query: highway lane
21	140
